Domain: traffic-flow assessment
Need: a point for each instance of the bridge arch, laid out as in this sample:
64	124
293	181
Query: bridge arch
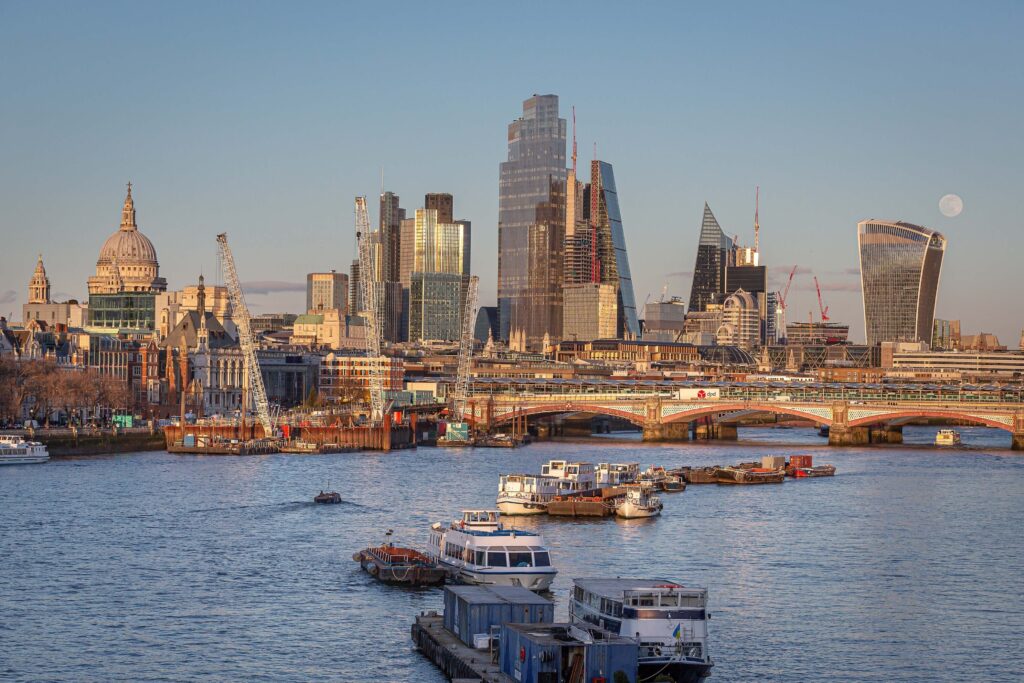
748	408
564	407
900	417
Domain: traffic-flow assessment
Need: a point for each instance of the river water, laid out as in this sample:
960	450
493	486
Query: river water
905	566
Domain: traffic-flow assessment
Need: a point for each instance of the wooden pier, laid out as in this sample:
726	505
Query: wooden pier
457	660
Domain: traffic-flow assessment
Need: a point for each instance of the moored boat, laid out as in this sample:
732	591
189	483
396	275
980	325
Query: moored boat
816	471
748	475
698	475
639	502
403	566
593	503
668	620
15	450
947	437
479	549
617	474
327	498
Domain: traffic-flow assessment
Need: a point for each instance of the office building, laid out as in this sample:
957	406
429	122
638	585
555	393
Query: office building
714	254
439	272
741	321
443	203
326	291
900	265
391	217
664	320
531	223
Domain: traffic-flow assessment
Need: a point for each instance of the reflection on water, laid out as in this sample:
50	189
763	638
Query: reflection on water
904	566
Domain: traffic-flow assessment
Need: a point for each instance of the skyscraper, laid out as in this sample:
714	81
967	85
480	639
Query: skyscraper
440	254
443	203
391	216
899	273
713	255
325	291
531	223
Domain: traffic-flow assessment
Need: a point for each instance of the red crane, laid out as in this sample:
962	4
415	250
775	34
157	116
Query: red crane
821	307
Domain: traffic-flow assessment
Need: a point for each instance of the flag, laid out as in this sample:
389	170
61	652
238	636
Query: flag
678	632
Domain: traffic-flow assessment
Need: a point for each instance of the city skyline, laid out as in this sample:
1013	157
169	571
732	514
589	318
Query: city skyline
821	171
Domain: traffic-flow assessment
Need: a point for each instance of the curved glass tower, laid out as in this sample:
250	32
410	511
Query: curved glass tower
899	273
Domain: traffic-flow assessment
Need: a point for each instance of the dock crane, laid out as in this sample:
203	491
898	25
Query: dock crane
781	318
368	278
461	394
821	307
240	312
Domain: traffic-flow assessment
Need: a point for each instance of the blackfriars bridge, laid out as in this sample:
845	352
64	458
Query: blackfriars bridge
855	413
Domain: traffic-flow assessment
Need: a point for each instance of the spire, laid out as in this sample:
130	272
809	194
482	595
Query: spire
39	285
128	212
574	140
757	225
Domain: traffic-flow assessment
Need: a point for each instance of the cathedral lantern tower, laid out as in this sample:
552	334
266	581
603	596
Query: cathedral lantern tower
39	285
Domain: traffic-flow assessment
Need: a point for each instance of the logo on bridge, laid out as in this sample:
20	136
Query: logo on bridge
702	394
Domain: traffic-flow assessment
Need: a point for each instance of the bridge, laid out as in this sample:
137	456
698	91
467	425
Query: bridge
855	413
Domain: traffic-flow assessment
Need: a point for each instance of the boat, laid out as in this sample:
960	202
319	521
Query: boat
698	475
389	563
328	498
673	484
617	474
14	450
823	431
947	437
478	549
300	447
653	476
668	619
817	471
500	441
748	475
581	472
592	503
529	494
639	502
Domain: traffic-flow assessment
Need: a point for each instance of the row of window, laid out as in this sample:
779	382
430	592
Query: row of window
492	558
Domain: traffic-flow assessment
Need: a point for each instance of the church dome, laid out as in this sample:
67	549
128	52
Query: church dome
128	246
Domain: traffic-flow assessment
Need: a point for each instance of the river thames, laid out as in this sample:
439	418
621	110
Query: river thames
905	566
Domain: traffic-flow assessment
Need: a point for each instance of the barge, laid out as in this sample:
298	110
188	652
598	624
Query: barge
401	566
748	475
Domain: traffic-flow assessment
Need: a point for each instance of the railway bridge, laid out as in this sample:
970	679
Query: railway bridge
665	411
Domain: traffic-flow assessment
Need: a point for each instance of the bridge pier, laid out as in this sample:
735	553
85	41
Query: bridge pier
1018	442
885	434
848	436
673	431
715	431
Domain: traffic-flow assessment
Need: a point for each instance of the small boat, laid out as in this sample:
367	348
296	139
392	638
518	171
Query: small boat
639	502
817	471
14	450
389	563
823	431
947	437
748	475
328	498
673	484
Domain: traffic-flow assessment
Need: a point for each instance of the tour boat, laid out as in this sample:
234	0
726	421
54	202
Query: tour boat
479	549
14	450
529	494
947	437
639	502
581	472
617	474
668	619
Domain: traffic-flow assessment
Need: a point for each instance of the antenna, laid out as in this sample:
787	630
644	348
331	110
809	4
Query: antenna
574	140
382	180
757	225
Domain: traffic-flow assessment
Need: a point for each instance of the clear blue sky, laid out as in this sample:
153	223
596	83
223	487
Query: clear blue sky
265	119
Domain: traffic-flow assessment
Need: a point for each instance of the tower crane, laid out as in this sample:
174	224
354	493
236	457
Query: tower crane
469	311
368	277
821	307
245	339
781	325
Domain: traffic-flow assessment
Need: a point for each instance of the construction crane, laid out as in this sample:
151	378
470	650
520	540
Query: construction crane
461	394
821	307
367	282
781	324
240	313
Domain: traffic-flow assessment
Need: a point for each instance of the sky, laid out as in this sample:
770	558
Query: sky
266	119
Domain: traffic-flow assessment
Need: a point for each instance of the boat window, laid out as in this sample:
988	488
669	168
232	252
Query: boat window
669	600
541	560
616	610
481	558
577	593
496	559
520	559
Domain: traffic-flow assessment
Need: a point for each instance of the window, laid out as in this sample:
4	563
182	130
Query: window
541	560
481	558
496	559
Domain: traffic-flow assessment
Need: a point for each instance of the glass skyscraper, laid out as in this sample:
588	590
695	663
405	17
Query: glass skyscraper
713	254
531	223
899	272
440	265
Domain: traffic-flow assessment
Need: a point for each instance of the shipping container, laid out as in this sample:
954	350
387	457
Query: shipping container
535	654
473	610
801	461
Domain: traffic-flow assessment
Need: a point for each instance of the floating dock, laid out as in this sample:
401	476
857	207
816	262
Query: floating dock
456	659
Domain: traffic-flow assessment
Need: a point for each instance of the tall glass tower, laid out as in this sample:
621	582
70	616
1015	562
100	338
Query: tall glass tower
531	223
899	273
713	253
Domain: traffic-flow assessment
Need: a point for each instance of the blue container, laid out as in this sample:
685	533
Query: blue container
189	440
472	610
528	652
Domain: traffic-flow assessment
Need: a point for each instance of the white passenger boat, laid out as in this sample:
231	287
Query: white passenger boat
14	450
529	494
639	502
668	619
479	549
947	437
617	474
581	472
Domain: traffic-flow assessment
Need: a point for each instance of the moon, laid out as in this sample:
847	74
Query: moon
951	205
